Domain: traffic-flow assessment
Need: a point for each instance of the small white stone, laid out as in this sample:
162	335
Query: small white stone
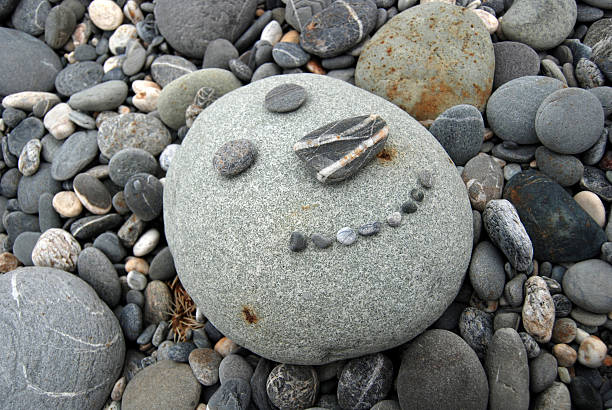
272	32
146	243
147	99
592	205
136	280
346	236
580	335
165	159
26	100
132	11
58	123
81	34
105	14
592	352
394	219
67	204
121	37
113	62
29	160
140	86
56	248
564	375
488	19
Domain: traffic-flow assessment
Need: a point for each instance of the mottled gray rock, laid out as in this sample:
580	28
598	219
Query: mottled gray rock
444	218
167	68
460	130
289	55
106	96
429	374
299	12
129	161
132	130
484	180
79	337
555	20
78	77
74	155
507	371
589	285
538	310
143	195
364	381
514	60
564	169
512	108
190	28
556	397
98	271
292	386
234	394
476	328
234	157
28	129
131	321
163	385
30	16
506	230
486	271
406	61
59	26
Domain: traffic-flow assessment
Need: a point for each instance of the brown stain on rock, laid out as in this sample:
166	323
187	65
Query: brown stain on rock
249	316
386	155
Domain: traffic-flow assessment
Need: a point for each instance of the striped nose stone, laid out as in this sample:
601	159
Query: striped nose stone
339	149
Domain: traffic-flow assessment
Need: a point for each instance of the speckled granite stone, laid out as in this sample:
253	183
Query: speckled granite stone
229	236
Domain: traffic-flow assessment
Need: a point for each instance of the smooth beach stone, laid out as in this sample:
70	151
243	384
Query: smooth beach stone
364	381
406	61
512	108
30	188
556	397
234	394
190	28
484	180
23	246
289	55
106	96
218	53
514	60
129	161
110	245
205	363
591	203
563	169
299	12
569	121
30	15
476	328
105	14
411	149
290	385
234	157
559	229
507	370
459	129
589	285
143	195
178	95
541	24
167	68
38	64
538	310
588	74
285	98
542	372
77	77
92	193
28	129
56	248
594	180
234	366
486	271
92	345
429	374
29	160
47	216
338	150
74	155
584	395
338	27
57	121
59	26
165	384
132	130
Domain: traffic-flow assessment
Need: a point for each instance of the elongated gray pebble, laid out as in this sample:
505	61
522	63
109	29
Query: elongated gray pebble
285	98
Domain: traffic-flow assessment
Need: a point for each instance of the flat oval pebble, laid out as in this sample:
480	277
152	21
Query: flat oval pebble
129	161
77	77
92	193
105	14
143	195
146	243
285	98
30	188
132	130
28	129
234	157
364	381
589	285
74	155
346	236
59	25
98	271
291	385
67	204
564	169
369	229
167	68
105	96
205	365
289	55
459	129
486	271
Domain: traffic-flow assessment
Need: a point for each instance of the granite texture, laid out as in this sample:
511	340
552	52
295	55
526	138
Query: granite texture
284	305
62	346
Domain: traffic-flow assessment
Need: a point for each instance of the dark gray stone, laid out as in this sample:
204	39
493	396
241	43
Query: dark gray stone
147	334
253	32
12	116
289	55
588	14
32	187
364	381
167	68
511	152
131	321
265	70
10	182
135	58
7	7
240	69
542	372
234	157
563	306
594	180
369	229
163	385
476	328
143	195
30	16
47	215
85	52
584	395
234	367
80	149
512	108
508	371
559	229
285	98
297	242
321	241
190	28
92	193
162	266
137	297
339	62
514	60
338	27
132	130
589	285
325	159
234	394
460	130
38	64
438	368
299	12
106	96
594	154
564	169
569	121
78	77
90	226
90	359
28	129
218	54
130	161
98	271
59	26
23	246
180	351
290	385
486	271
16	223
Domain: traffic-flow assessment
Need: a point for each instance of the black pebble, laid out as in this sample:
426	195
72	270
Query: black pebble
409	207
297	242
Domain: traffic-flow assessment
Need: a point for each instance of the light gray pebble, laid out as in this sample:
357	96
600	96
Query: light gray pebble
146	335
320	241
394	219
531	346
165	159
160	333
346	236
136	280
486	271
234	366
369	229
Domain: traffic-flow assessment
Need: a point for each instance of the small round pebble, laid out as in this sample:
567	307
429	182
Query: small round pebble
234	366
566	356
592	352
105	14
131	321
320	241
297	242
56	248
394	219
292	386
346	236
146	243
143	195
417	194
136	280
285	98
205	364
369	229
409	207
234	157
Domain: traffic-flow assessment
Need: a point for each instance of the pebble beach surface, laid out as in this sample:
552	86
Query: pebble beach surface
306	204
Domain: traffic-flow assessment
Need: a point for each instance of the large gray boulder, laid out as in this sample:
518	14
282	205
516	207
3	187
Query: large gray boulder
230	236
62	347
